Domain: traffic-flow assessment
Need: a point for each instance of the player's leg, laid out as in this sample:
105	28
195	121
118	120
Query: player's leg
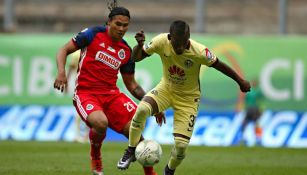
185	113
258	129
125	108
96	140
99	123
247	119
147	170
80	136
91	112
119	119
153	102
177	155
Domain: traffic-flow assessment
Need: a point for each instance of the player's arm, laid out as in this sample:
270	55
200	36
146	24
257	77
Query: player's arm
225	69
61	80
133	87
138	92
138	53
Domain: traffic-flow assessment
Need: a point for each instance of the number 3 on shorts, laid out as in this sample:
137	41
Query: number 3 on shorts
191	123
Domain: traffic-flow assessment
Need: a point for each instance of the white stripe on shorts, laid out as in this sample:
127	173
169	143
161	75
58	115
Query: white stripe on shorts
80	107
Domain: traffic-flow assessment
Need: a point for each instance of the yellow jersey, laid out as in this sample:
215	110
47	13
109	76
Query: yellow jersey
74	59
180	72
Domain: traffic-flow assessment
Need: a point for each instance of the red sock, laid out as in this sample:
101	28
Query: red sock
148	170
96	140
258	132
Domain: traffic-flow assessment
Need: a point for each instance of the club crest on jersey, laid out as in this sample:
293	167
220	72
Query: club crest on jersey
188	63
154	92
89	107
108	60
121	54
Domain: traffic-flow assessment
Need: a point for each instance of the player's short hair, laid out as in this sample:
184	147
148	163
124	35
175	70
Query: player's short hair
119	11
179	27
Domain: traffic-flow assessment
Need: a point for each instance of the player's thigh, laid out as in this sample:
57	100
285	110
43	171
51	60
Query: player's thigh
185	114
89	109
120	111
161	96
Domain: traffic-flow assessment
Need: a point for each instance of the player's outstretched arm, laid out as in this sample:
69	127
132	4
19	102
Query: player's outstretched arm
60	82
225	69
138	53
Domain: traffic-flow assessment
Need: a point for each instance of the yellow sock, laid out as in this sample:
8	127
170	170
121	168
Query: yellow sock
138	123
178	154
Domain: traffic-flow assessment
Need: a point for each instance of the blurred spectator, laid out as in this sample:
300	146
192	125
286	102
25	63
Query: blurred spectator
253	110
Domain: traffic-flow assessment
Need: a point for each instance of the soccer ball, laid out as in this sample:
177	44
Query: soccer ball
148	152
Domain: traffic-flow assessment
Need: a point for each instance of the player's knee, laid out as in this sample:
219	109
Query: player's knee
100	125
143	111
179	150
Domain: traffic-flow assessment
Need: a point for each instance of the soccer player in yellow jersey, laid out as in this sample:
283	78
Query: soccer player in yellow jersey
179	88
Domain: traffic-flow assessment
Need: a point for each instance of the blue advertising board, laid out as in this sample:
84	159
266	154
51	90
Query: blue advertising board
55	123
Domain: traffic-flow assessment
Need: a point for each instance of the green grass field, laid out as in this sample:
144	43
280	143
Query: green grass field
57	158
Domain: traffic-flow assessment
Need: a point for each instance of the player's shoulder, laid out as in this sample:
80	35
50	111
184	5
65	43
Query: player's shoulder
161	37
93	30
197	44
97	29
90	31
196	47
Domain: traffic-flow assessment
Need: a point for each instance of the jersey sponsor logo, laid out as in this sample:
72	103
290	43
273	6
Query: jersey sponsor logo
89	107
122	54
188	63
108	60
173	70
176	75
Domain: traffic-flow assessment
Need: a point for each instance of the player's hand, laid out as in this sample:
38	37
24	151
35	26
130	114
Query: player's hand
140	37
245	86
60	82
160	118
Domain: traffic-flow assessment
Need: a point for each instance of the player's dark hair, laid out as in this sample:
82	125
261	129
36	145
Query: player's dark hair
119	11
111	4
179	28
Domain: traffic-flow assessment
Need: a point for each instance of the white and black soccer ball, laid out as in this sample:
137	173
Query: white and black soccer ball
148	152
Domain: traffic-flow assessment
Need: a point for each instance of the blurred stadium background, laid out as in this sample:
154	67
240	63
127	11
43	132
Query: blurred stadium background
264	40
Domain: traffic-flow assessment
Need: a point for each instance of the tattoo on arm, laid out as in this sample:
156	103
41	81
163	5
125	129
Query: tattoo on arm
138	92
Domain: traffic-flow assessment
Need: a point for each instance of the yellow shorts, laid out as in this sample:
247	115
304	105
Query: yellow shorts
185	109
